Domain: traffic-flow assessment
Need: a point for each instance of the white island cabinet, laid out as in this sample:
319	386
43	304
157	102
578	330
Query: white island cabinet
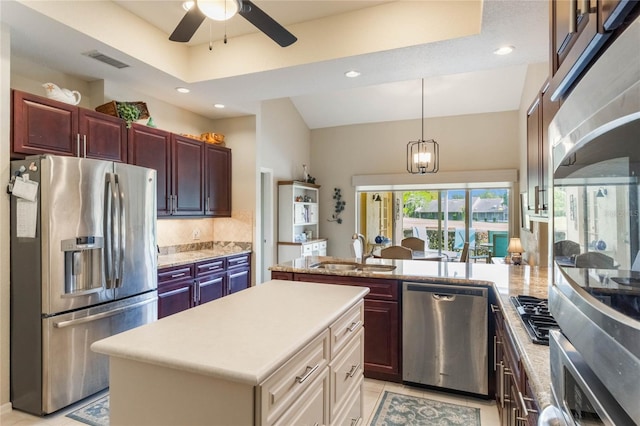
280	353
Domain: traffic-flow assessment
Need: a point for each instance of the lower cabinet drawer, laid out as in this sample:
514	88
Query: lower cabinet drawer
280	390
347	371
346	327
352	413
312	407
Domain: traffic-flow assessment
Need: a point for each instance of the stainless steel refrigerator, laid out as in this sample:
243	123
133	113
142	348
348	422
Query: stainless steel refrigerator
83	267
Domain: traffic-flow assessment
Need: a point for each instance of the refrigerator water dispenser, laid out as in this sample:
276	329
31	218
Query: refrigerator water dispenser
82	265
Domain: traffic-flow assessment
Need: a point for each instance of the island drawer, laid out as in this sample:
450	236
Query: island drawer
312	407
351	413
346	327
286	384
346	371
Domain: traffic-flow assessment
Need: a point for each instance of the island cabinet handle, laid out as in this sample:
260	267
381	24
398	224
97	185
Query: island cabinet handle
353	370
308	372
356	422
354	325
177	275
495	309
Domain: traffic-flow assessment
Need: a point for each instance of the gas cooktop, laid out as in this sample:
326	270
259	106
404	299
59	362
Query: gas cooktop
535	315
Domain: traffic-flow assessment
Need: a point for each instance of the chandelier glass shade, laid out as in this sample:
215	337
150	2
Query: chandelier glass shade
219	10
423	156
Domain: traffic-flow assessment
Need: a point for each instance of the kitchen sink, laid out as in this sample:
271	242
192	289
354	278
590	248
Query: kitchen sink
377	268
353	266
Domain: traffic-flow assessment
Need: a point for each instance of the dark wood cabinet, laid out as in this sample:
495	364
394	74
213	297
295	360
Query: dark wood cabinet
210	280
150	147
516	404
45	126
382	330
193	178
238	273
179	165
175	289
539	117
217	181
187	176
578	33
186	286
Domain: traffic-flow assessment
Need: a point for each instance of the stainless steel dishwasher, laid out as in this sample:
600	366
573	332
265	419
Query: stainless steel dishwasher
444	332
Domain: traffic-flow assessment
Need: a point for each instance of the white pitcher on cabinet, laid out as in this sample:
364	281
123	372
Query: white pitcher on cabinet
63	95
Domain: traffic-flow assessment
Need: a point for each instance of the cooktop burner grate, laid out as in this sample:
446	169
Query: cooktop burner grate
536	318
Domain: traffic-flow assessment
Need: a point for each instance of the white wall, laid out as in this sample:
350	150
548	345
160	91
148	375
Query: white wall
283	146
468	142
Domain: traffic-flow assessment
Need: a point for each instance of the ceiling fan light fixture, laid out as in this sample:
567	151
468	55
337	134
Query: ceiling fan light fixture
188	5
219	10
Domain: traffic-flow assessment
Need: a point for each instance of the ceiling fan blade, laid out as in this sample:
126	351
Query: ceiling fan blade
266	24
188	25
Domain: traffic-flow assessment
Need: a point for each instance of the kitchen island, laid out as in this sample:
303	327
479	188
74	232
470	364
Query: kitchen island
278	353
504	280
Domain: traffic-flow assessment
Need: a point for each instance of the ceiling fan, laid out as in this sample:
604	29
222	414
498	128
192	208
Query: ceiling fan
221	10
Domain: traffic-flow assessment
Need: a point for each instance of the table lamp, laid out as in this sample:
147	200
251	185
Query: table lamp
516	250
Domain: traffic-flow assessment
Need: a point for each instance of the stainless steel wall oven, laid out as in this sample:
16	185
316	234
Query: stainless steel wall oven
595	293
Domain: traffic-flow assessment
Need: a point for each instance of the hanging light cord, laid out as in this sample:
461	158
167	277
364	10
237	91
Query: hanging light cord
422	138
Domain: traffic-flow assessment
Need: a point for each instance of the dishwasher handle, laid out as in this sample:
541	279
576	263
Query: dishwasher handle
447	292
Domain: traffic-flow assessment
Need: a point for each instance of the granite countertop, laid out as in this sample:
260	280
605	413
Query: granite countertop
248	341
506	280
185	257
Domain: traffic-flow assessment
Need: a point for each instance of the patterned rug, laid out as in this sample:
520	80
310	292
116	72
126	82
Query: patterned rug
94	414
396	409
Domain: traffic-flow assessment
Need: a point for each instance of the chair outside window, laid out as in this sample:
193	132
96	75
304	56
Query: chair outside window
396	252
413	243
459	240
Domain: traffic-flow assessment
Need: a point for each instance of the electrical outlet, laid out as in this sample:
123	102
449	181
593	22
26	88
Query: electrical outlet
196	234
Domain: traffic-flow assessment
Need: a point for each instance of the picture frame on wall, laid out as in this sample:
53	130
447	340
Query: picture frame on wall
524	212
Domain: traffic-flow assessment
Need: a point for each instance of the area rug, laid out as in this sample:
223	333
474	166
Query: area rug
94	414
396	409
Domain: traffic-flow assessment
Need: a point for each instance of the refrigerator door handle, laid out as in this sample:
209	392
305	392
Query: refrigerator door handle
121	233
70	323
113	243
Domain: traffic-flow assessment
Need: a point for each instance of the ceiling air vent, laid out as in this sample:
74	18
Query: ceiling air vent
106	59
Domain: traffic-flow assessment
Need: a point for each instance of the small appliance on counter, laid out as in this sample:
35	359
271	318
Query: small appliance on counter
83	267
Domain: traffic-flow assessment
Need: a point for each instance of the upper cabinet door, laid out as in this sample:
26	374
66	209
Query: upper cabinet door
41	125
149	147
217	173
188	177
103	137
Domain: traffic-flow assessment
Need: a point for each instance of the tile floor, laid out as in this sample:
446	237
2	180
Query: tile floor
373	390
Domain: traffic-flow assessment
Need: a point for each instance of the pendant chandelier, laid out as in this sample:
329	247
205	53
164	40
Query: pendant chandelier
423	156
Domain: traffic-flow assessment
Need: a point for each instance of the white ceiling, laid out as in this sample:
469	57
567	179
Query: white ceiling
462	76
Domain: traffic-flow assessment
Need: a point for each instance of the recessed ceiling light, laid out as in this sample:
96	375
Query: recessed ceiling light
187	5
352	74
219	105
182	89
504	50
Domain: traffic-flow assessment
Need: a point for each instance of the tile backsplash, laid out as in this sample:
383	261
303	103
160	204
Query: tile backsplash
180	232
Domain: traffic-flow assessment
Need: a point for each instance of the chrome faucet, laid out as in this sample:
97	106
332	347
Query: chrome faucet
364	257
